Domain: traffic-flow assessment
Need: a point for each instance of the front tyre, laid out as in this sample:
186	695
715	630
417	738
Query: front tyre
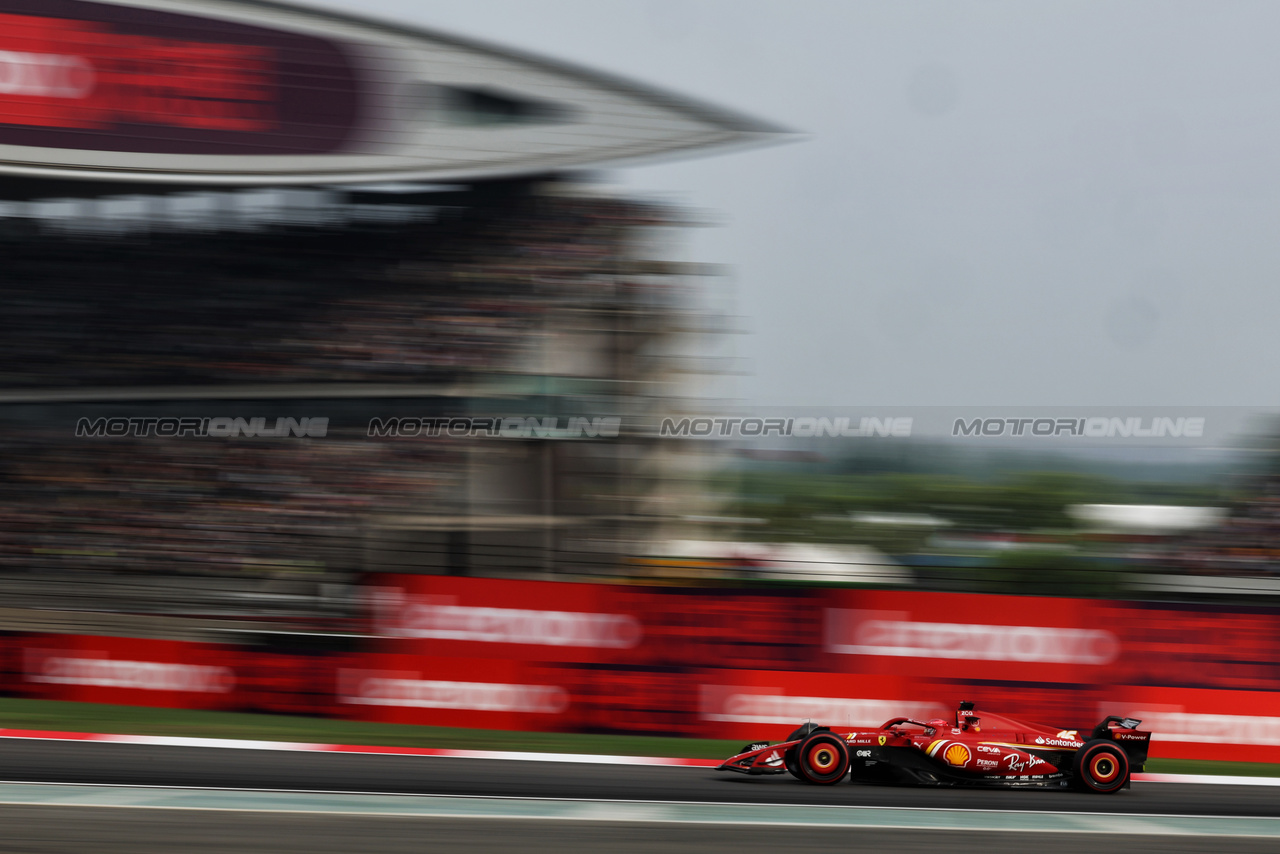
805	730
822	759
791	759
1101	766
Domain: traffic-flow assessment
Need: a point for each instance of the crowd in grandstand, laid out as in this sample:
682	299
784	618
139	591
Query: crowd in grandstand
410	302
1246	542
247	511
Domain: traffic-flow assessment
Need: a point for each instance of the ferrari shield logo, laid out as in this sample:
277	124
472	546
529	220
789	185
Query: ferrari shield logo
882	740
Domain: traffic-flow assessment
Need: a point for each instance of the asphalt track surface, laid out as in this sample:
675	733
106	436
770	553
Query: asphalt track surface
142	765
39	829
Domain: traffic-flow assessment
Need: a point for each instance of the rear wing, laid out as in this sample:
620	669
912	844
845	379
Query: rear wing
1103	730
1136	742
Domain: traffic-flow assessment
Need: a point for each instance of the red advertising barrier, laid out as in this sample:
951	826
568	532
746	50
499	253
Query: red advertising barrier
289	683
708	627
1194	723
740	664
949	636
652	701
129	671
1197	646
751	705
522	620
596	623
485	693
165	673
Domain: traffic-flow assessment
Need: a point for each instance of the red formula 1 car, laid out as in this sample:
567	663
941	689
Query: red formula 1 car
977	749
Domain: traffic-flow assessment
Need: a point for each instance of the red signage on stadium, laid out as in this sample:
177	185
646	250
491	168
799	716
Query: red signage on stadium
126	79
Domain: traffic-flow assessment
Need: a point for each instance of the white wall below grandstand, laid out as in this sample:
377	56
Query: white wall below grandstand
794	561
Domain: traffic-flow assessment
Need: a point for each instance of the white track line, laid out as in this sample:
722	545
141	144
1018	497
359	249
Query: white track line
474	808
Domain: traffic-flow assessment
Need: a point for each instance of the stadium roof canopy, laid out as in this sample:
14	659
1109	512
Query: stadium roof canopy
241	92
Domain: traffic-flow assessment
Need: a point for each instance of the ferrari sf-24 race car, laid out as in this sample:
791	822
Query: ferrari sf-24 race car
978	749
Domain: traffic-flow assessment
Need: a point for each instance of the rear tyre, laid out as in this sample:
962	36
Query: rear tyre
1101	766
822	759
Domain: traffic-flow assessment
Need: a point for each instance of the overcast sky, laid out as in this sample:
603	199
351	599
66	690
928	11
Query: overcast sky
996	203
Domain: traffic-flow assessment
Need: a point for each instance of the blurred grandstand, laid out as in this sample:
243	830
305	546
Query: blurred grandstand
541	297
526	298
312	216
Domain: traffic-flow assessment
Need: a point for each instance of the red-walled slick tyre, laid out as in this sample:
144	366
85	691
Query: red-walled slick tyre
791	759
823	759
1101	766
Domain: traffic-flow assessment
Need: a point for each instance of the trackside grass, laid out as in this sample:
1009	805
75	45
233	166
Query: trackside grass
139	720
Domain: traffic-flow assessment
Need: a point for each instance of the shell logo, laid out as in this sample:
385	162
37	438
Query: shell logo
957	754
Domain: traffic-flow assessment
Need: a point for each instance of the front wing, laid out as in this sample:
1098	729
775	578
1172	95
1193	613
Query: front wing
761	758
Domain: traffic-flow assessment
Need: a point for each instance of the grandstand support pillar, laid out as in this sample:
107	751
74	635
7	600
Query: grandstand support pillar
227	211
458	546
157	212
548	507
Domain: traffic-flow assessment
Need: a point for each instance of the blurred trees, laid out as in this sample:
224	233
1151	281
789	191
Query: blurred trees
902	512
